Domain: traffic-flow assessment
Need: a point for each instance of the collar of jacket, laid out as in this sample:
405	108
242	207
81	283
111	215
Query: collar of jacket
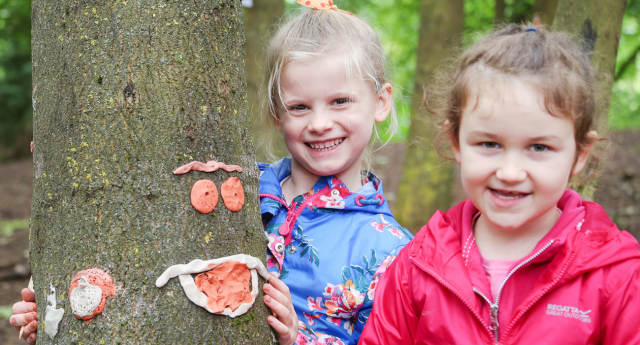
369	198
583	246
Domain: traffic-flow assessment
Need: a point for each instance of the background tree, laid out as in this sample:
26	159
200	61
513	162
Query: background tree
599	27
15	79
124	92
545	10
259	24
426	184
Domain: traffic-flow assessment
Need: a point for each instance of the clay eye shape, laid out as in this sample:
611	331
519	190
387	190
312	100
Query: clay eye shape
232	194
204	196
335	193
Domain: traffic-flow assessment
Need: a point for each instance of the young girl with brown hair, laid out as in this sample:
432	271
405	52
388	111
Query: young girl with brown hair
524	260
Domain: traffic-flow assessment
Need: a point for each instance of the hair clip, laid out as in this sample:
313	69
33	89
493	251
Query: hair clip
322	5
531	29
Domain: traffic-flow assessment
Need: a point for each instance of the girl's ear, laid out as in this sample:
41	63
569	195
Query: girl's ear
383	102
454	143
583	155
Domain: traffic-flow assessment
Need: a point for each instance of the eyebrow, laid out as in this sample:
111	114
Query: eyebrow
475	135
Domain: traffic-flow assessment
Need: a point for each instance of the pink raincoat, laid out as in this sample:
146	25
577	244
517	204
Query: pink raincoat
580	285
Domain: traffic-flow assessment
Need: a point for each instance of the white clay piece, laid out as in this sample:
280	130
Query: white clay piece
183	272
52	316
85	298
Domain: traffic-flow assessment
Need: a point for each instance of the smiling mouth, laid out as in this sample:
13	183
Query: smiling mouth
506	195
326	145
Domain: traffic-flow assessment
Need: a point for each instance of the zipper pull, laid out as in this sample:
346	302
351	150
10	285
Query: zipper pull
494	320
285	228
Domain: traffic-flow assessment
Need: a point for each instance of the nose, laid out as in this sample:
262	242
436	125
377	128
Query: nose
320	122
511	169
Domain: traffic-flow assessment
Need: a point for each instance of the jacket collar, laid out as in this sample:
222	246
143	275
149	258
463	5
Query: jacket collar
336	195
579	245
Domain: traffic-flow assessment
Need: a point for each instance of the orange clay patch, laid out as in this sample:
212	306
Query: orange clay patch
204	196
232	194
99	278
225	285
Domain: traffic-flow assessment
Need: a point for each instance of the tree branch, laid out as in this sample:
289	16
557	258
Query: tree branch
626	64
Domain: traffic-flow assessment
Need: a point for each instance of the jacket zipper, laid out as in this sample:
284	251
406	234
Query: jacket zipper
555	281
494	306
456	293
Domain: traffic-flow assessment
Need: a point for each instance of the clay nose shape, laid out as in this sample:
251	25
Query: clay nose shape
204	196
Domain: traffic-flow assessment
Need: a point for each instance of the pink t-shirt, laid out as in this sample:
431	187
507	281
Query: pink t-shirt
496	270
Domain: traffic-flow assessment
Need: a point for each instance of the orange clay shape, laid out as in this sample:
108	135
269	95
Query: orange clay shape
204	196
89	279
225	285
232	194
210	166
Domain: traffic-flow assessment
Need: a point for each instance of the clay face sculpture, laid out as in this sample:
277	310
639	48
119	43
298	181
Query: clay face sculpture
204	196
184	272
232	194
88	292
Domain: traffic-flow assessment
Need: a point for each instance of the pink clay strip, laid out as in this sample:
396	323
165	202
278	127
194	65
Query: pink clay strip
210	166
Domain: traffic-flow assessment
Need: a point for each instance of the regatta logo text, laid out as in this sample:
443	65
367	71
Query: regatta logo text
569	312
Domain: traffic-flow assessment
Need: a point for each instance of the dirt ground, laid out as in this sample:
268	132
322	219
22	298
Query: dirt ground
618	193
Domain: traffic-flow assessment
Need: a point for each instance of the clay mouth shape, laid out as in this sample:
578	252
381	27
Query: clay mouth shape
184	272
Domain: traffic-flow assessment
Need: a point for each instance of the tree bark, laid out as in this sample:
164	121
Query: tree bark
545	10
259	25
599	26
426	183
125	92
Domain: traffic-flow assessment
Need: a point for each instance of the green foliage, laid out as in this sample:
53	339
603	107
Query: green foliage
15	73
625	100
6	311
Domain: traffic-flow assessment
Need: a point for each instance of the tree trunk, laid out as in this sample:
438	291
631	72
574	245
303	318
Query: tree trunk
426	183
599	26
499	11
259	22
125	92
545	11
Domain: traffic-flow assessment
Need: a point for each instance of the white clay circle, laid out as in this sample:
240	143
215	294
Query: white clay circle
85	298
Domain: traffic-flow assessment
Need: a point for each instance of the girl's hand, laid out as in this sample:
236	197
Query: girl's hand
278	298
25	315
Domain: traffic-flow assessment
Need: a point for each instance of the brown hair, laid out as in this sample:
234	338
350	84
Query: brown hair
551	61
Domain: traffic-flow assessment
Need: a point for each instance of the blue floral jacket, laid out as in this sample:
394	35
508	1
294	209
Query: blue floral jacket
330	246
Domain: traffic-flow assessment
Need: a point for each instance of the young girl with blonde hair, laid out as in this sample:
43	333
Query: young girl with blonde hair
525	260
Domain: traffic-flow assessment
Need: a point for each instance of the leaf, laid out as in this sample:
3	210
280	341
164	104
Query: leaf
284	274
357	268
361	283
304	251
366	262
304	244
374	259
346	273
314	257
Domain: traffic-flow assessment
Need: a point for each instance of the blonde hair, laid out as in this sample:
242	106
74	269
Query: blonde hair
318	33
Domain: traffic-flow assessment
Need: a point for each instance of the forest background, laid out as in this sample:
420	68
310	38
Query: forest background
398	24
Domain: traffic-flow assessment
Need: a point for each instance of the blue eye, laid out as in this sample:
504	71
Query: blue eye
539	148
490	145
297	107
